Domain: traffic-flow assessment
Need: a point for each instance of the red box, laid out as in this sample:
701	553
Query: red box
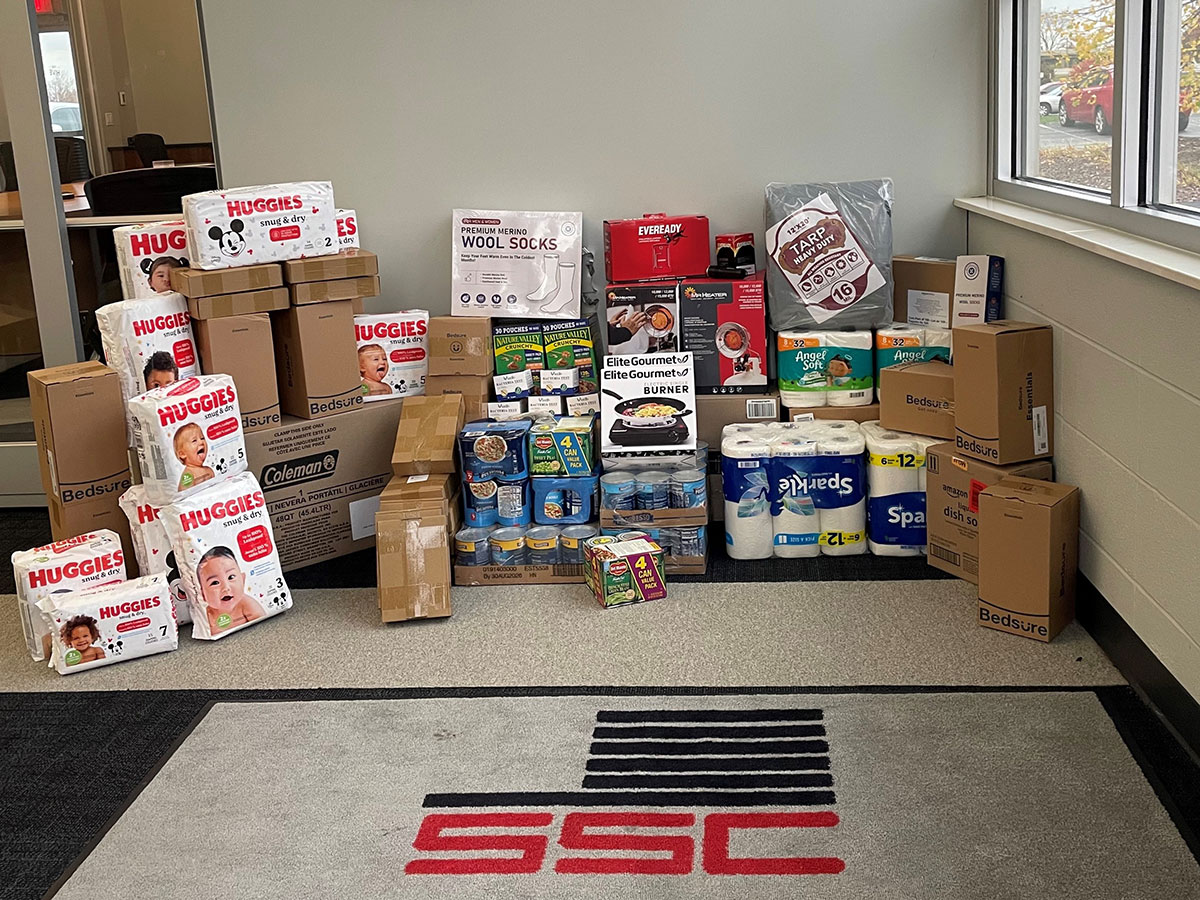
655	246
724	325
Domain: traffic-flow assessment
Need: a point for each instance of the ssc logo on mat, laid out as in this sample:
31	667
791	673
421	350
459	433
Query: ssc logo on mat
664	792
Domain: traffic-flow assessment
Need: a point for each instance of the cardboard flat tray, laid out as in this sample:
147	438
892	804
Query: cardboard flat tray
685	565
484	575
669	518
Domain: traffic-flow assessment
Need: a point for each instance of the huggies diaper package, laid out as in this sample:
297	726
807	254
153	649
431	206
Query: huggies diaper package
393	353
187	435
81	562
148	342
152	547
226	553
260	224
103	625
347	229
146	254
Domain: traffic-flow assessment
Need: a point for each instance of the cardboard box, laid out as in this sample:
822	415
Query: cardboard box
714	412
79	425
918	397
322	479
924	288
460	346
327	291
655	246
725	328
201	283
412	566
654	518
978	290
952	505
352	263
1004	371
868	413
428	493
426	435
241	347
247	303
1028	556
316	360
474	576
475	391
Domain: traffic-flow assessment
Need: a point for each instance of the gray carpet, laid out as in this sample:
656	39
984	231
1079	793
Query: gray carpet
921	795
752	634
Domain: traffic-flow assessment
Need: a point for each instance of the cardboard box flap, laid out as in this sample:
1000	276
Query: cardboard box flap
1002	326
354	263
67	374
935	367
427	434
1029	490
210	282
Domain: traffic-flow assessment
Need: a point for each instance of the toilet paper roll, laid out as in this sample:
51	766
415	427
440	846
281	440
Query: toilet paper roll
800	365
843	530
795	519
898	343
746	485
841	443
850	368
938	340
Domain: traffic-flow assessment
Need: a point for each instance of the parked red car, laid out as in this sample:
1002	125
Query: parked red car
1091	102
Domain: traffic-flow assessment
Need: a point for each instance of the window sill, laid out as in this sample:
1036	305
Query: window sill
1168	262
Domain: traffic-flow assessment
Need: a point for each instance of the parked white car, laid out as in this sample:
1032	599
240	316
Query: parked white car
1050	98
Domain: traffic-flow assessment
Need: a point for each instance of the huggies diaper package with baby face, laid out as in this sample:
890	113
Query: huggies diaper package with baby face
146	254
109	624
393	353
187	435
152	547
261	224
81	562
148	342
226	553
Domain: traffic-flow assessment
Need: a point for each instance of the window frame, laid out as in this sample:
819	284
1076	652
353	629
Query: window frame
1138	166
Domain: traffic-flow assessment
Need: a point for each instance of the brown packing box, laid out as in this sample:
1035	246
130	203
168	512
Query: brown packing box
657	518
919	398
471	576
412	565
322	479
352	263
316	361
868	413
427	434
460	345
428	493
243	304
1028	556
952	505
920	273
475	391
327	291
1004	371
79	425
714	412
210	283
241	347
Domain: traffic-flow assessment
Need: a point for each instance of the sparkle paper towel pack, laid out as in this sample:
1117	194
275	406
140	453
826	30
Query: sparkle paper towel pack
896	485
260	224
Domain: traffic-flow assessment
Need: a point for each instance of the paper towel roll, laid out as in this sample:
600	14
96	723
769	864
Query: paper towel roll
844	530
746	483
800	364
896	489
850	368
795	518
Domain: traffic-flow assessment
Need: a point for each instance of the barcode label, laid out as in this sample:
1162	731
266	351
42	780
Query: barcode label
1041	431
803	417
942	553
760	409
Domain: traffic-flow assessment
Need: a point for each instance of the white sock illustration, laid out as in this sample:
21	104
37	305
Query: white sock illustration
566	289
549	278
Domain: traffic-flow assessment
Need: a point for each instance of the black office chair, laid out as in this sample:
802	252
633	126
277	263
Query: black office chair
149	147
147	191
72	159
8	167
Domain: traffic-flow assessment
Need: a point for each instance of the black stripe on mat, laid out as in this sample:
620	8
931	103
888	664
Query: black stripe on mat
699	748
702	764
634	716
669	732
629	798
736	781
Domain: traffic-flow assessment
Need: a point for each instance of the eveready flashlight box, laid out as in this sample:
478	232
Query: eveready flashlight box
655	246
724	325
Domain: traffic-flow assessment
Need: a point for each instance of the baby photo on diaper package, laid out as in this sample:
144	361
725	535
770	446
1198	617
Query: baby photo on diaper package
187	435
227	557
152	547
393	353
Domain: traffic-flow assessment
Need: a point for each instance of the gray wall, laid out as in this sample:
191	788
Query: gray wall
414	107
1127	392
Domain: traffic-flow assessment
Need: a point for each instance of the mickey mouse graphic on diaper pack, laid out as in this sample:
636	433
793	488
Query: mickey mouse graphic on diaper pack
260	224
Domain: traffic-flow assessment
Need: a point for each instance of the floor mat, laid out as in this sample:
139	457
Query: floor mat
528	793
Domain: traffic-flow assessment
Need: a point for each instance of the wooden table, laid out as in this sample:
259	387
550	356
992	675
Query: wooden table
10	202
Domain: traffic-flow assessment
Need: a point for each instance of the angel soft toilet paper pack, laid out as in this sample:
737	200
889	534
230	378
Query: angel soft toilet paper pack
152	547
248	226
227	557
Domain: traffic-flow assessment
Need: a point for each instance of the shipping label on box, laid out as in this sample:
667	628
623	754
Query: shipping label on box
725	328
924	288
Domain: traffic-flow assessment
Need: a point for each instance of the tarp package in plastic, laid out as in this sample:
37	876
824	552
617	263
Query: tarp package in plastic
830	254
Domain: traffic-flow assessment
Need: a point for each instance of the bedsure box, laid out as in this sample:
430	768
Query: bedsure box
317	360
241	347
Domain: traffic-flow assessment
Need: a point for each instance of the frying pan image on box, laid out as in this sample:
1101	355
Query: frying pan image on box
657	426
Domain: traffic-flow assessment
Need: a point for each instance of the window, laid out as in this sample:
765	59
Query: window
58	65
1097	112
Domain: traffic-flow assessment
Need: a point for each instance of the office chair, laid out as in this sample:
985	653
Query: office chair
147	191
8	167
149	147
72	159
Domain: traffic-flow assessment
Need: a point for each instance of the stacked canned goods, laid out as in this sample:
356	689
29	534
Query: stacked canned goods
654	489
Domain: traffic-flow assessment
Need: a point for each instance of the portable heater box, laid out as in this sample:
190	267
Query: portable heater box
655	246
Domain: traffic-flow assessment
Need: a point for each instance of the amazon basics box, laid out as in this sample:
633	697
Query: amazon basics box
322	479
